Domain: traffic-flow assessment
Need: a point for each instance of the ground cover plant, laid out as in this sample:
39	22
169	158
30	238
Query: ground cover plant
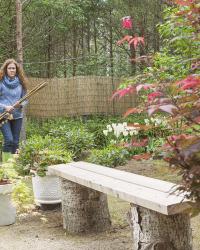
84	137
21	193
110	156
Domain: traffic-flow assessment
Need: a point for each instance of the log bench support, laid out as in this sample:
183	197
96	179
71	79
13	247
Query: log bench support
84	209
152	230
157	215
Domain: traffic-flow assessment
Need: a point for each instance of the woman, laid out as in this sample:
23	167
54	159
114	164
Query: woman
13	86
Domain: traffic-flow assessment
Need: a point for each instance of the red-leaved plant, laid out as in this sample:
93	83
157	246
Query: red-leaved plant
180	101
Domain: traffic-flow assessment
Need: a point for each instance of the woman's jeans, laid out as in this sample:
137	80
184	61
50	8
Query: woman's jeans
11	132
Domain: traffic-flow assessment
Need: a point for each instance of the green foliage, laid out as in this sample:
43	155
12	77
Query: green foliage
47	157
21	192
96	129
7	172
34	127
21	195
111	156
75	140
179	49
154	146
96	125
87	32
38	153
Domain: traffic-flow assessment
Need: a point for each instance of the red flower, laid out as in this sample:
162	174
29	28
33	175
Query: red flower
127	22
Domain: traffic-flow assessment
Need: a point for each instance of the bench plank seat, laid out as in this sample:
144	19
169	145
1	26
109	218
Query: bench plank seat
140	190
140	180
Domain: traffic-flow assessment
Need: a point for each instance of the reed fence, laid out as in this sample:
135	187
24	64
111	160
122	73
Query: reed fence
77	96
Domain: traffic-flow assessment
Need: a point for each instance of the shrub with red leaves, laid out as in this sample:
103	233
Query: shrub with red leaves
180	101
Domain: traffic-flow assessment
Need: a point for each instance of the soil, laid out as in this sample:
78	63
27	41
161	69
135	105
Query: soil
42	230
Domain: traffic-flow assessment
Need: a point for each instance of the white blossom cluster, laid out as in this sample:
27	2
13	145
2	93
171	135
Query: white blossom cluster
156	121
121	129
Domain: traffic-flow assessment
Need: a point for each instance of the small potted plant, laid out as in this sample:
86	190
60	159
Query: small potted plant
7	209
34	158
46	188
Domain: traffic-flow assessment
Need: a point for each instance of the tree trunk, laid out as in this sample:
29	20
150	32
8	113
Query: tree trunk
19	31
49	50
155	231
95	37
74	50
111	73
84	209
65	55
88	36
19	38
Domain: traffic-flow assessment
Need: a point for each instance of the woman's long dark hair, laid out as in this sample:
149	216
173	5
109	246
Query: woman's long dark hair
19	72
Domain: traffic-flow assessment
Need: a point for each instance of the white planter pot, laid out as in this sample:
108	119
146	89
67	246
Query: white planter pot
47	189
7	209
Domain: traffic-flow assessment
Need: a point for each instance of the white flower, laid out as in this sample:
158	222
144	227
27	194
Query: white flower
124	124
117	133
114	125
125	133
146	121
109	128
105	132
131	132
120	126
158	121
152	119
113	141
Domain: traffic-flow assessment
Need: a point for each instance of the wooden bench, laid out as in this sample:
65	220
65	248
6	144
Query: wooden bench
157	216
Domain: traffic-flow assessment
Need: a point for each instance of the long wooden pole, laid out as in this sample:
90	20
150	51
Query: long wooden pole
5	115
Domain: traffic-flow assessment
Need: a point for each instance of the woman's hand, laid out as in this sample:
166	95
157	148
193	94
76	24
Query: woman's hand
9	109
17	105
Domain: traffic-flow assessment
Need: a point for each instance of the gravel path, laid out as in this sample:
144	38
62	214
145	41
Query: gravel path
42	230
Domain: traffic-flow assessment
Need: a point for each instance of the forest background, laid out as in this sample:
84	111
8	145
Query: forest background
66	38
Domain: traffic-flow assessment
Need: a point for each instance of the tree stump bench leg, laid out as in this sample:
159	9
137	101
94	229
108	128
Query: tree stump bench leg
84	209
155	231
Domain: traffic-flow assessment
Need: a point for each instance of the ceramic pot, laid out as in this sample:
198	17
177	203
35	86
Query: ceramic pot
47	189
7	209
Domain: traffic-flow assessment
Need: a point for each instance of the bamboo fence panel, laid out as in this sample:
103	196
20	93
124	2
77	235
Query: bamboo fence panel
77	96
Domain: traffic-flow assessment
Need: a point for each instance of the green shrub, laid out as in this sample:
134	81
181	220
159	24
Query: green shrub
33	127
22	196
37	153
21	193
110	157
47	157
76	140
7	172
96	129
